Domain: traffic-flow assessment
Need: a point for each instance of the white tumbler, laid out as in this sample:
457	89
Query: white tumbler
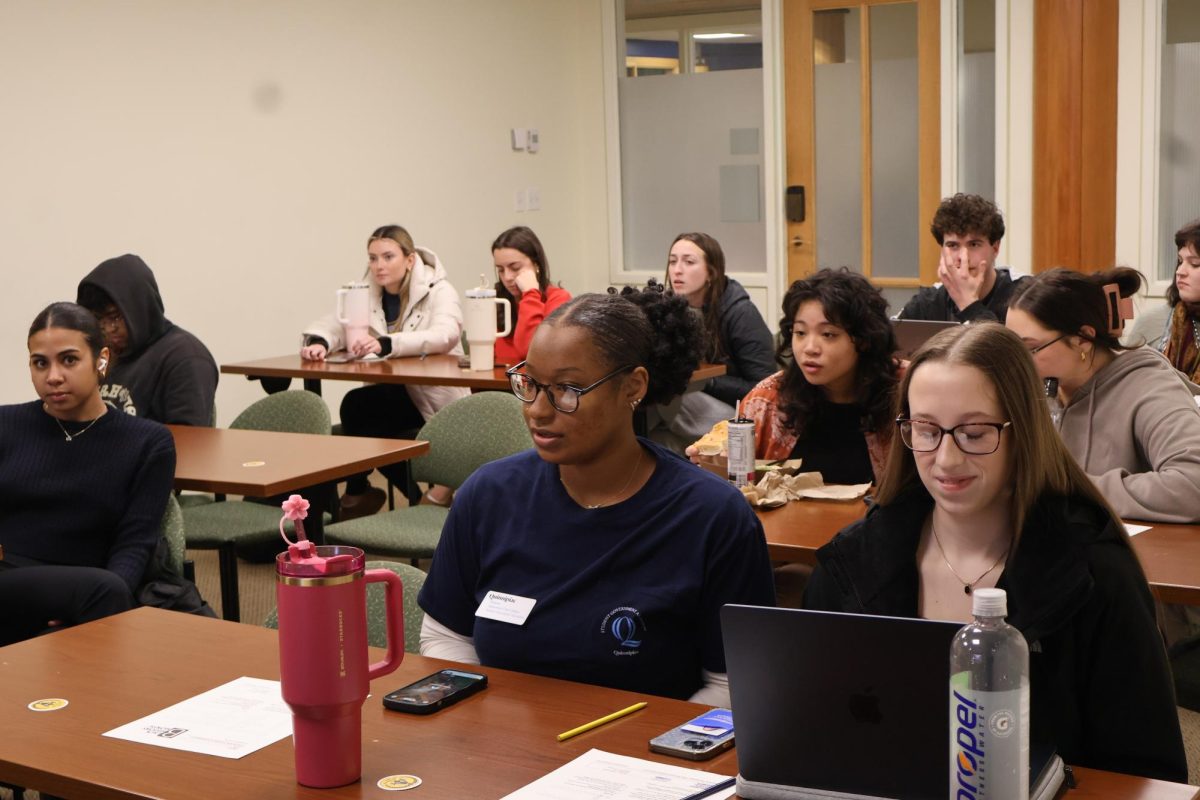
354	311
480	314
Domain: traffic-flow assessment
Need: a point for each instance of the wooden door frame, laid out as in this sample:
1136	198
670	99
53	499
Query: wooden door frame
800	132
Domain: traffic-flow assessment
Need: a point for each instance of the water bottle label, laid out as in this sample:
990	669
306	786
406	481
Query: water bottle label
989	744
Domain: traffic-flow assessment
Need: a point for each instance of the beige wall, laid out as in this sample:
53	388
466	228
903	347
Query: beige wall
246	149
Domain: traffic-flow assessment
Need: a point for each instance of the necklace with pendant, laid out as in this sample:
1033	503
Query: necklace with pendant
70	437
614	497
968	586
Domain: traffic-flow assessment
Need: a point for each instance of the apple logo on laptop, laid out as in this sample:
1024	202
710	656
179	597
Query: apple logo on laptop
864	707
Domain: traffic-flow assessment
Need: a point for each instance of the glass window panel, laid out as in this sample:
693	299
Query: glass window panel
976	54
691	154
729	47
837	123
895	181
1179	154
652	54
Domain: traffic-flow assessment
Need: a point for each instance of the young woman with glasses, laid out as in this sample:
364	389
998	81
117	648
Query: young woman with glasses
83	486
598	556
984	494
1129	417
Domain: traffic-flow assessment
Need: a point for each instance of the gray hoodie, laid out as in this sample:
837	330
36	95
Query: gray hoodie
1135	429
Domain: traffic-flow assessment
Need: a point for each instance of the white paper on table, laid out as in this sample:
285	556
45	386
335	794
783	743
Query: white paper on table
1134	530
231	721
597	775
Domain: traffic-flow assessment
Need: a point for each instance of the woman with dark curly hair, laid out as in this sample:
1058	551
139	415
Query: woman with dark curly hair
598	556
831	405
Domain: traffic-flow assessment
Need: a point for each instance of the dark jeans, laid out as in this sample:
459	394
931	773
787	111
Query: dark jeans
382	410
33	596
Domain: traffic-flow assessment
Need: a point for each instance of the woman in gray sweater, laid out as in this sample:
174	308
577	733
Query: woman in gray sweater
1129	417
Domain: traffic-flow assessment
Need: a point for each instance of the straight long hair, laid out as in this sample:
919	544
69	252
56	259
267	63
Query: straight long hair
526	242
1041	462
714	262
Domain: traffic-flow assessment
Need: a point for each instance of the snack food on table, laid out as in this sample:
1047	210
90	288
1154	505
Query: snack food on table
714	442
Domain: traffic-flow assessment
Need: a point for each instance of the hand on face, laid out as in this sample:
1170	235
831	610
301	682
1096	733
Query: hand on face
515	270
963	280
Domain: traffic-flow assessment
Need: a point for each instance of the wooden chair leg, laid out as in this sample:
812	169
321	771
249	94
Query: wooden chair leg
230	604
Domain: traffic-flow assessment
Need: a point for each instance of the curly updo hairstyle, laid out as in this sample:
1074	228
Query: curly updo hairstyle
853	304
645	328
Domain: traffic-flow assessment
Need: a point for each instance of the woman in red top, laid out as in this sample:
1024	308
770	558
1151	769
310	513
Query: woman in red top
523	279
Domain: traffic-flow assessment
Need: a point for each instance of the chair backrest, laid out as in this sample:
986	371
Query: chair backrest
469	433
172	529
286	412
413	579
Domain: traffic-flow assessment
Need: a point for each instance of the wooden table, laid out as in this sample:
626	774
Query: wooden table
1170	554
437	370
122	668
266	463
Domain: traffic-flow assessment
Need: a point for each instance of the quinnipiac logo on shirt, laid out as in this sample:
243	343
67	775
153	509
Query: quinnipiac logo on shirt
625	625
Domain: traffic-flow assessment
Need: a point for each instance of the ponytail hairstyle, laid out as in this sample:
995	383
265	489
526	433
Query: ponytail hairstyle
852	303
1187	236
714	260
397	234
1066	301
1041	462
645	328
72	317
525	241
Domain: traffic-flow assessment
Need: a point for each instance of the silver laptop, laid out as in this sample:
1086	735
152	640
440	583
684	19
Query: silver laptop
912	333
843	705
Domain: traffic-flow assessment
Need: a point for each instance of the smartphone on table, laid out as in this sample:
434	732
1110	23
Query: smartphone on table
435	692
698	739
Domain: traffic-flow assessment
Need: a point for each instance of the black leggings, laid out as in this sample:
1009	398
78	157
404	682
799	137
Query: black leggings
383	410
34	596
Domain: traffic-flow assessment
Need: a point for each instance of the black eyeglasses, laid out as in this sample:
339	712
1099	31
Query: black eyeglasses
564	398
1033	351
973	438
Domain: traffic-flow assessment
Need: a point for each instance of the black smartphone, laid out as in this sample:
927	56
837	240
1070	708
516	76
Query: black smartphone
435	692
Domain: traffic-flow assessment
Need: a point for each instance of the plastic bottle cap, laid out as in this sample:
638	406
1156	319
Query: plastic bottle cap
989	603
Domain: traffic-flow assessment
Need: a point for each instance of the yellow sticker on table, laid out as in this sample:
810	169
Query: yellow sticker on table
398	783
49	704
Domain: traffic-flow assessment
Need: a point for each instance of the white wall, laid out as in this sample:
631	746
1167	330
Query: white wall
675	142
246	150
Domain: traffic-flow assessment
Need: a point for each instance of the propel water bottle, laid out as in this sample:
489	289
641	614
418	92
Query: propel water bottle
989	705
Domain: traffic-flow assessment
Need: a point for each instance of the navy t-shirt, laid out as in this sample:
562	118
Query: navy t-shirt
627	596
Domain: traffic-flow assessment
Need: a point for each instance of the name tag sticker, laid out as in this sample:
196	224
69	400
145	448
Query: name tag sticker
503	607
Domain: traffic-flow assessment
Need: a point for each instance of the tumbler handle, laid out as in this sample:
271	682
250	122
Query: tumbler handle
394	608
507	317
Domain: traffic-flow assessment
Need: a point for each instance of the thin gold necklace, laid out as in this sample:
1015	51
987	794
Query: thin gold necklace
967	585
611	499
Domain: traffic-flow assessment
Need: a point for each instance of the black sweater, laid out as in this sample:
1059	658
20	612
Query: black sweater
934	303
1098	669
95	501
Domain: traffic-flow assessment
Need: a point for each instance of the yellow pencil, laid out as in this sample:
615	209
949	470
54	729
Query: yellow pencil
562	737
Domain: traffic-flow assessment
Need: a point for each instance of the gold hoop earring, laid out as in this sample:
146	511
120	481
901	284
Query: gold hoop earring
1082	356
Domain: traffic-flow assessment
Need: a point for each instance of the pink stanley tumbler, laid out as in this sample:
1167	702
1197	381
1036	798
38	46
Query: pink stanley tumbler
322	598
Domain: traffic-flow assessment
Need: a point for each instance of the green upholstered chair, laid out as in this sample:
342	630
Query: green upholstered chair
413	579
172	528
462	437
224	526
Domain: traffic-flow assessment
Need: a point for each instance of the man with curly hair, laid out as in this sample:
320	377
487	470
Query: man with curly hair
968	228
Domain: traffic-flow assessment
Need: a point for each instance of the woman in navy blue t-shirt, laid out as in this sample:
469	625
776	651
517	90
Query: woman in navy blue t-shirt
598	556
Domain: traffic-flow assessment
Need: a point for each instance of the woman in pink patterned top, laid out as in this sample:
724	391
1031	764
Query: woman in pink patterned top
832	403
